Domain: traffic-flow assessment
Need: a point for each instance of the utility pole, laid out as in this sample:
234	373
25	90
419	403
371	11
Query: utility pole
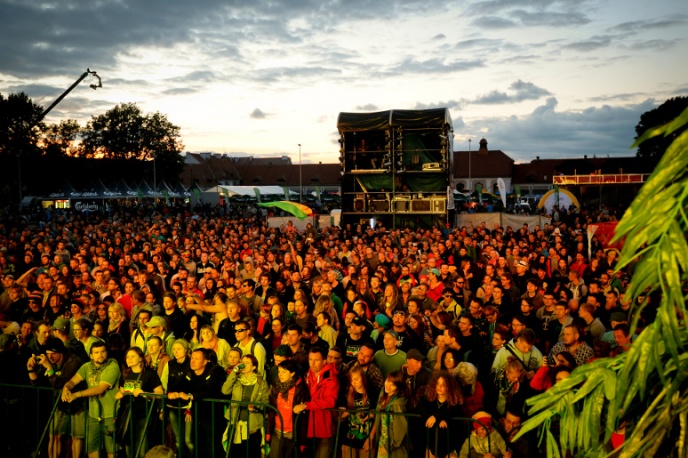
300	177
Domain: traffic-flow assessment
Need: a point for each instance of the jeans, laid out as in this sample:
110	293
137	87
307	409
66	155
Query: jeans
176	420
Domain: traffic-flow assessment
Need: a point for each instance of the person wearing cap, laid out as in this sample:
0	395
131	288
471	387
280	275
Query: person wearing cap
522	275
417	375
5	300
54	368
157	326
405	335
479	444
435	286
351	341
390	358
62	329
380	325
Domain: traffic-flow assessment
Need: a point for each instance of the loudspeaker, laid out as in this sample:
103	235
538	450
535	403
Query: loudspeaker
359	204
439	205
379	205
420	205
401	206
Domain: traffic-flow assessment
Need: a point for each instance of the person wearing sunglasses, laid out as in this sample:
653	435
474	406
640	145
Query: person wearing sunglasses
249	345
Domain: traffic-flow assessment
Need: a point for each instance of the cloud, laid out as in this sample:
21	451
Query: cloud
656	45
634	27
479	43
367	107
545	132
481	7
493	23
451	104
270	75
551	19
618	97
258	114
179	91
203	76
519	91
436	65
592	44
439	36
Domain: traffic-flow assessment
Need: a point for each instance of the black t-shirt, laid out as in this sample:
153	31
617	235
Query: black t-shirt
147	380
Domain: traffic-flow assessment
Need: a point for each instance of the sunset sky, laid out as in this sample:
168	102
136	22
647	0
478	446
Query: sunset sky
534	77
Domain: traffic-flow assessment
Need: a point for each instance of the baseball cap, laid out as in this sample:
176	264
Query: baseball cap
156	321
393	334
61	324
382	320
358	321
55	345
522	263
435	271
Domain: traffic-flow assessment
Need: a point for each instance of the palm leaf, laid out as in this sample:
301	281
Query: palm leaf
645	387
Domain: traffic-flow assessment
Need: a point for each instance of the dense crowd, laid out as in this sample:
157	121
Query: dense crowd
440	322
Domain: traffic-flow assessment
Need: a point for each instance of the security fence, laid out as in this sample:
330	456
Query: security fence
27	414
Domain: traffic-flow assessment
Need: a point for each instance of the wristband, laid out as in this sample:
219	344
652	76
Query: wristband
49	373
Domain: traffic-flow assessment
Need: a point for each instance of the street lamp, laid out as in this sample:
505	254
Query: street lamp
300	177
470	188
155	180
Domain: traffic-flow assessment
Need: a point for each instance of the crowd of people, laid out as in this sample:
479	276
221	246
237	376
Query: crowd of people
355	333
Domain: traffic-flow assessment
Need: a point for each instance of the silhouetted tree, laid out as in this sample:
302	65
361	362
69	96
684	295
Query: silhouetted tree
669	110
124	132
19	127
59	139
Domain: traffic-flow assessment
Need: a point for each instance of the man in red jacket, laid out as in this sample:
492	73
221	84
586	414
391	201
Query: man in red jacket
323	385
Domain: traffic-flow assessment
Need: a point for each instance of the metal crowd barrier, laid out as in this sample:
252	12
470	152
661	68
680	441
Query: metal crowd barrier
26	412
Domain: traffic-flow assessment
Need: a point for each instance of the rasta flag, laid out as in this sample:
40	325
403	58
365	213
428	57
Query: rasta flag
299	210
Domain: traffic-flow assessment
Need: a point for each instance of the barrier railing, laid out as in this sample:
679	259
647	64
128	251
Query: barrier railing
453	444
26	412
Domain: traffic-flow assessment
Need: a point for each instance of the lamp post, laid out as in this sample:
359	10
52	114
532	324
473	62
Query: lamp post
300	177
470	188
155	181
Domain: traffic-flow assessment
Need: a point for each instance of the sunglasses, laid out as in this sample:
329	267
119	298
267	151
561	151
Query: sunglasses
240	330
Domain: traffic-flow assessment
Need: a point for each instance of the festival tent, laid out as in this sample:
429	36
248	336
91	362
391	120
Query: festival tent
242	193
566	199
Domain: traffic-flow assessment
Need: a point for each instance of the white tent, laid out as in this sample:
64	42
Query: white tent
212	195
249	191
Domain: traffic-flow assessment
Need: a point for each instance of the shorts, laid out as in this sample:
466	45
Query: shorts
59	424
99	434
78	426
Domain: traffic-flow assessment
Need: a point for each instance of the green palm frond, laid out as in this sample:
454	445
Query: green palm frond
647	387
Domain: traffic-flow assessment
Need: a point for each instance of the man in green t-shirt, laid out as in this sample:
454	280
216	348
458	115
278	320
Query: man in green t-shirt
101	376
